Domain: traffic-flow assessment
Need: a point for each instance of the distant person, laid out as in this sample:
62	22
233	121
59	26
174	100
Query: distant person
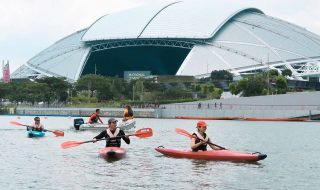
215	105
95	117
112	135
127	113
200	138
36	126
199	105
220	105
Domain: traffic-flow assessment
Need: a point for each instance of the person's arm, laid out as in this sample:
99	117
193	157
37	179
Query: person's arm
100	119
213	146
100	136
125	137
42	127
195	145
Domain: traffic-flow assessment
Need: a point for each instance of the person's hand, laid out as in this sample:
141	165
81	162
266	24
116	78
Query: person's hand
94	140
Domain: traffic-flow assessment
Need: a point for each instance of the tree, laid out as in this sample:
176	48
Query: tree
92	83
287	72
281	85
273	73
252	86
57	88
234	89
221	75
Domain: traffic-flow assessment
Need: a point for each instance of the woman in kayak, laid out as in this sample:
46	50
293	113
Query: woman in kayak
113	135
36	126
200	139
95	117
127	113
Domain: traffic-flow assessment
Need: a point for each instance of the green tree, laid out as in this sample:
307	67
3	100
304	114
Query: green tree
252	86
287	72
281	85
221	75
94	83
57	88
273	73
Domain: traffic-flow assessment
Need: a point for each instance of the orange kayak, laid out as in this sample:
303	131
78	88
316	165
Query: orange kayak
217	155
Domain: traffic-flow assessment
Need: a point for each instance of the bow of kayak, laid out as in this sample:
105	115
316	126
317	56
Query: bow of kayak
112	152
31	133
217	155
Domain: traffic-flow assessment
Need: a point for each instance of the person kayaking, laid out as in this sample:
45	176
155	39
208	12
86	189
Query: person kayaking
127	113
113	135
36	126
200	139
95	117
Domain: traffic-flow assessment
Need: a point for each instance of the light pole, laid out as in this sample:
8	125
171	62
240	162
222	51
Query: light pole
133	92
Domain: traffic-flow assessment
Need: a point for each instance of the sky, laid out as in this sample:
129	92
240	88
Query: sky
29	26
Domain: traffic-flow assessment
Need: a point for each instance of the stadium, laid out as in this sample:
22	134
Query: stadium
189	38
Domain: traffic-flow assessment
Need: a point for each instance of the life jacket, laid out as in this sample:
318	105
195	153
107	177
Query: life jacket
113	142
37	127
202	147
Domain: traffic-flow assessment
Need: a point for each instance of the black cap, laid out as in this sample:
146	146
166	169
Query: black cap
37	118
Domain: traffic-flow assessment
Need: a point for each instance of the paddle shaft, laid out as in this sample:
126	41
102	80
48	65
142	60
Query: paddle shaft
214	145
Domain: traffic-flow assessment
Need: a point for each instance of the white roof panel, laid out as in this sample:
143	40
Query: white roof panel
184	19
125	24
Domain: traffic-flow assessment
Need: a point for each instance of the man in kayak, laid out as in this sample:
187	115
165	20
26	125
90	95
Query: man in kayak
95	117
127	113
200	138
36	126
113	135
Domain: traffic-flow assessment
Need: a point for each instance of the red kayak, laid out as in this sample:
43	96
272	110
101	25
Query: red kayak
217	155
112	152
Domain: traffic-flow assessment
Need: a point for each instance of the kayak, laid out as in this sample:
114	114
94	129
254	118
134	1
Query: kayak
32	133
217	155
112	152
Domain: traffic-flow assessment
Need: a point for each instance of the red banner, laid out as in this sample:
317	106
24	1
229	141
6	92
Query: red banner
6	73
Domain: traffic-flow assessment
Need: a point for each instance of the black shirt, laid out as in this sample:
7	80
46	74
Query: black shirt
113	142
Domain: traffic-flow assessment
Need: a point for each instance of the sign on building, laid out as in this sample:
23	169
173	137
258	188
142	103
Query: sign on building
130	75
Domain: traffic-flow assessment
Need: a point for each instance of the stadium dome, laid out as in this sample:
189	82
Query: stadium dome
180	38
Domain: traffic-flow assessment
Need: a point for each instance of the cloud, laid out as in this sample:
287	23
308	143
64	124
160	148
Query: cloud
29	26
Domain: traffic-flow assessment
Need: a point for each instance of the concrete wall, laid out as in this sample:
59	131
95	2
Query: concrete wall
83	112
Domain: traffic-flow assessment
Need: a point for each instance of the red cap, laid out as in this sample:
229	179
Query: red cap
201	124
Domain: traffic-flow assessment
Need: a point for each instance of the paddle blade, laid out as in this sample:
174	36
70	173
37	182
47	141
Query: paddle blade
143	133
69	144
58	133
183	132
16	123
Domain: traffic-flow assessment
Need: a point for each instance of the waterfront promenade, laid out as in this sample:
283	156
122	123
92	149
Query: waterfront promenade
304	104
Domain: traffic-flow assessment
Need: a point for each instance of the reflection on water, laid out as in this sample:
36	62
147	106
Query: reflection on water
288	165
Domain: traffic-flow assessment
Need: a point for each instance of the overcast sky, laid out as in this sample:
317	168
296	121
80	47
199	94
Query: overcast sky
29	26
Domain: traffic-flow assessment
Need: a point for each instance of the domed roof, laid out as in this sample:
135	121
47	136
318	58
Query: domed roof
181	19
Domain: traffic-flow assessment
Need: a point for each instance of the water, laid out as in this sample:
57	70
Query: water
292	162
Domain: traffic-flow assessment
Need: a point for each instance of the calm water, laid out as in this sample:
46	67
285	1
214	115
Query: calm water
292	148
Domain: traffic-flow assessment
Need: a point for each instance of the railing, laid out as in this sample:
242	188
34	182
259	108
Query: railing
218	106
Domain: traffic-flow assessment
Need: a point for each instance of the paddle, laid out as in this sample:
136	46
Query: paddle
141	133
56	132
185	133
